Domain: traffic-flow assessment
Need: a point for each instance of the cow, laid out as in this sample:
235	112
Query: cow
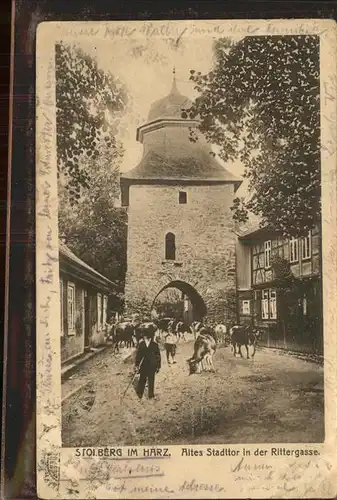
149	327
138	335
180	329
243	335
171	325
195	327
163	325
110	329
209	329
220	332
204	349
123	333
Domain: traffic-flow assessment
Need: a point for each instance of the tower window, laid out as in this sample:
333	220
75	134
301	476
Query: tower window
170	246
182	197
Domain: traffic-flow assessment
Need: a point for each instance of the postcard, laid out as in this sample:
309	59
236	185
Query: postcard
186	259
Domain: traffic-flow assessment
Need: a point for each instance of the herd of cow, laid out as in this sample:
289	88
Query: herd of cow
206	337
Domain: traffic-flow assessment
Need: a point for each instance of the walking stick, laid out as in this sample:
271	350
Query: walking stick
132	380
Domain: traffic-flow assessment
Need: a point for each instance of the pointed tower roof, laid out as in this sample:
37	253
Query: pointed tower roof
170	106
169	156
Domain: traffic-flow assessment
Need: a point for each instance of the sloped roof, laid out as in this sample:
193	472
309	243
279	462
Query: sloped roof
161	165
170	154
247	229
255	230
66	252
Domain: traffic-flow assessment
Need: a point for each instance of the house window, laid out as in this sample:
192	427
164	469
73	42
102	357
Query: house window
293	250
105	307
182	197
61	307
170	246
71	309
306	247
268	304
272	304
265	304
99	311
83	296
267	252
246	307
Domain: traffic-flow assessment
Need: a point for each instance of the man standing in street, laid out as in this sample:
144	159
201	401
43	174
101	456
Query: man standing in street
148	360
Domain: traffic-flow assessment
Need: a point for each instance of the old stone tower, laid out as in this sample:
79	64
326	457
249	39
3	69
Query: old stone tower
180	227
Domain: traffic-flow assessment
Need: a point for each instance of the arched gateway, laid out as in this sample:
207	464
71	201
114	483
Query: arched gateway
180	227
193	307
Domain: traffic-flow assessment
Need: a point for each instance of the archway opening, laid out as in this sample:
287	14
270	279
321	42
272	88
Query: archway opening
181	301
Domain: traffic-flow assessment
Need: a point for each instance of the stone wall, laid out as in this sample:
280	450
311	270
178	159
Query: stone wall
205	245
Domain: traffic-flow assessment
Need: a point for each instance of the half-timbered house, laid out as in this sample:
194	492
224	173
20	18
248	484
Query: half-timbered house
83	305
279	287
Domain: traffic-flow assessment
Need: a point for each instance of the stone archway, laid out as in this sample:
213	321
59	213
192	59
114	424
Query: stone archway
199	310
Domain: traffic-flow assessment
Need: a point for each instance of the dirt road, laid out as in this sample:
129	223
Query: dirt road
272	398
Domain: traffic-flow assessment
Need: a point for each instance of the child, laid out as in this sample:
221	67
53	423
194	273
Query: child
170	345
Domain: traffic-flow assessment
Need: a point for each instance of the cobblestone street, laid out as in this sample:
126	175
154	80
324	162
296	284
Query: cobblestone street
273	398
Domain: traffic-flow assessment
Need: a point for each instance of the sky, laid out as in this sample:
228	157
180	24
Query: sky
145	66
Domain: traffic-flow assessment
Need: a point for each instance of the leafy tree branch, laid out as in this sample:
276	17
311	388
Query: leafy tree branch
260	104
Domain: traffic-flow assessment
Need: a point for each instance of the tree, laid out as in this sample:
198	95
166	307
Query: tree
89	104
260	103
94	228
169	303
